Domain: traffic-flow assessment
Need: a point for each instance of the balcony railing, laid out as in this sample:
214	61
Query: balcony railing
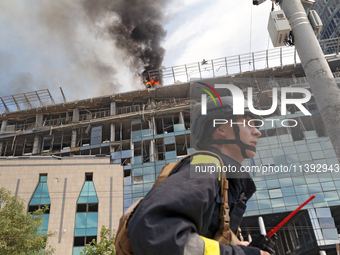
237	64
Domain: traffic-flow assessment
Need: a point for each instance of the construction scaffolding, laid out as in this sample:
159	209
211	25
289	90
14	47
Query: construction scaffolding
25	99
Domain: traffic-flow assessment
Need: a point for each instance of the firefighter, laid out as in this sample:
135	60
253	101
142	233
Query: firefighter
181	215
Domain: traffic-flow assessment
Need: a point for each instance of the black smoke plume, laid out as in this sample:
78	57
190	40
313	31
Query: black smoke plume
136	29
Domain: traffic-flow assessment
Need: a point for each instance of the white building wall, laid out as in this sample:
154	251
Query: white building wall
21	177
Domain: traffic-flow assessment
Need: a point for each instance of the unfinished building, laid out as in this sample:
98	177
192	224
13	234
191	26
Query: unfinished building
138	132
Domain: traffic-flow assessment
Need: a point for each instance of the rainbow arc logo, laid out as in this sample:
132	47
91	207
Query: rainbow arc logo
209	93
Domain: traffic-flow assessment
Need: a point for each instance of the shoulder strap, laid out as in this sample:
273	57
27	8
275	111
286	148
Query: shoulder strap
224	211
167	170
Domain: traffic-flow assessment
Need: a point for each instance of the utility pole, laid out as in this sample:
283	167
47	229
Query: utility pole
319	75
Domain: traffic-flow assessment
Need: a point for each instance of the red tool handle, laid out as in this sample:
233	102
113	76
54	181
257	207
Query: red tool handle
274	230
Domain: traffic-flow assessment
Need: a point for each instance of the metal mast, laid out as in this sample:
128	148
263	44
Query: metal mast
319	75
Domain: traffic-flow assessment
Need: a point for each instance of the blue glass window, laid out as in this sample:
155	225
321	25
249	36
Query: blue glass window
278	202
327	223
170	154
318	198
327	186
149	170
169	140
299	180
271	184
277	152
96	135
275	193
317	154
86	221
264	204
330	234
286	192
137	172
323	212
291	201
301	189
88	193
286	182
265	153
149	178
316	187
302	198
289	150
331	195
252	205
41	198
278	160
292	158
305	156
44	226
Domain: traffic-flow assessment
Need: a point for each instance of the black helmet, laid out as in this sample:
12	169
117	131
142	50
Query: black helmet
202	125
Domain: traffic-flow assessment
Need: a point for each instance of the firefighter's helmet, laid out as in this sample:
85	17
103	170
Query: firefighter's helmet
202	125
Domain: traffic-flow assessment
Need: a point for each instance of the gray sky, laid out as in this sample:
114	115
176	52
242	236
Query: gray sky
52	44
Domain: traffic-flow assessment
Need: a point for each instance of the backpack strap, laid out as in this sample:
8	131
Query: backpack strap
167	170
224	234
170	167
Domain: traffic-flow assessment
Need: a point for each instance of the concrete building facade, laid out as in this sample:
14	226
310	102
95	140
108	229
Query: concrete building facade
65	179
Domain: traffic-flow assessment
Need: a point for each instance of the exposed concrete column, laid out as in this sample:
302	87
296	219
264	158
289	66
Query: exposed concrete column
113	125
74	138
113	136
279	106
132	146
4	125
39	117
152	151
153	125
1	145
36	145
113	132
181	118
113	108
156	152
152	103
152	142
75	116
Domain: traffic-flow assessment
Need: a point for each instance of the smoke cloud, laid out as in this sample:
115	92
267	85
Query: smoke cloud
136	29
89	48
